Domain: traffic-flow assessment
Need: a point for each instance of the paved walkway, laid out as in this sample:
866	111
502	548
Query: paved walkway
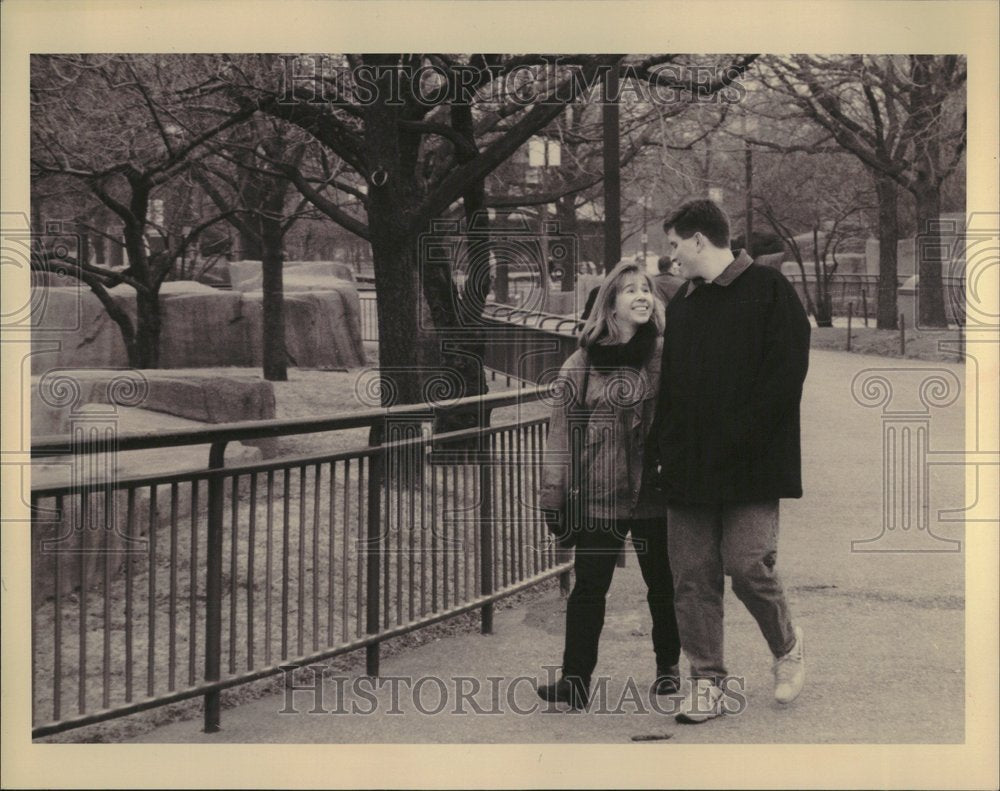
884	632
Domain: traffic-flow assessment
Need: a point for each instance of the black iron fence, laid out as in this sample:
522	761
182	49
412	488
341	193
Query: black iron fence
862	291
151	589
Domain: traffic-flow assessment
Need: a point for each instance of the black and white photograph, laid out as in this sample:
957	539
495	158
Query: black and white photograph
516	413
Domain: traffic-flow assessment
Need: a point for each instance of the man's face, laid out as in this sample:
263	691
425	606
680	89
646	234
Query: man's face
686	253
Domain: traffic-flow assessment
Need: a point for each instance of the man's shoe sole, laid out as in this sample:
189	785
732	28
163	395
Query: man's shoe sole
687	719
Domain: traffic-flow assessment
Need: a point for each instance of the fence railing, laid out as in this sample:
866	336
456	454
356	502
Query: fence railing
522	345
152	589
862	289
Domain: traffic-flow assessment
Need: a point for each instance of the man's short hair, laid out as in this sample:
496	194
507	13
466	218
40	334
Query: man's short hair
700	216
663	263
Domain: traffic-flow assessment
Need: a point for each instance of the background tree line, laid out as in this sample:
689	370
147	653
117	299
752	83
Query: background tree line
184	152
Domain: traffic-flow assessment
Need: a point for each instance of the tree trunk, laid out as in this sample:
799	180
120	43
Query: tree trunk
145	352
275	357
888	239
144	347
407	350
824	308
930	294
399	336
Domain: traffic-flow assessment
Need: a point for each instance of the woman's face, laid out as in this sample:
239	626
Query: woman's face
634	303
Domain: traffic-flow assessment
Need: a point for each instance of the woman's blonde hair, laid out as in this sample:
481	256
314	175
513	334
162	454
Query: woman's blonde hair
602	324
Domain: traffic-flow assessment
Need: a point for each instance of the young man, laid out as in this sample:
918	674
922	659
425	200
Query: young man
667	282
726	440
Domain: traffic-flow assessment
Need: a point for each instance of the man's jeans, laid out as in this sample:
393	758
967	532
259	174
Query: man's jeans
741	540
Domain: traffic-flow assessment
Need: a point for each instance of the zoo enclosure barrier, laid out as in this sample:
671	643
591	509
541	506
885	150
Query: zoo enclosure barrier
153	589
860	289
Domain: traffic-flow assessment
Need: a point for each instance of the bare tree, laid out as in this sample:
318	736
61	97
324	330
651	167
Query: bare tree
820	197
121	128
250	176
903	116
419	157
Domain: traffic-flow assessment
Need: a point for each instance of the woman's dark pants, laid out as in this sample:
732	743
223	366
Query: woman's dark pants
597	551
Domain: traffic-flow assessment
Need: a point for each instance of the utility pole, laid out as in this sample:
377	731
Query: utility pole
612	172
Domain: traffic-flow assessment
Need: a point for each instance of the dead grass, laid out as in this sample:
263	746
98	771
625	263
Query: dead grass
931	345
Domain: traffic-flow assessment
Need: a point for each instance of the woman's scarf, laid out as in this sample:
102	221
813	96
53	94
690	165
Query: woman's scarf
632	354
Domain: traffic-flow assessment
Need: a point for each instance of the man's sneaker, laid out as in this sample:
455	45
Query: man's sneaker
790	672
668	681
704	702
568	689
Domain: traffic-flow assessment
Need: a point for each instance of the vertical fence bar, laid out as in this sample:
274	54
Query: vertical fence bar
486	535
82	680
371	547
359	544
426	463
331	560
850	316
151	647
233	589
467	542
864	305
129	581
386	538
531	473
172	616
285	562
251	561
213	583
193	589
902	335
301	600
399	478
106	590
412	480
434	539
315	560
57	609
344	552
455	547
501	481
444	538
268	580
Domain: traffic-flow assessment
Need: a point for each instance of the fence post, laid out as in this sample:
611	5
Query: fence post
373	551
864	303
213	586
850	315
486	534
902	335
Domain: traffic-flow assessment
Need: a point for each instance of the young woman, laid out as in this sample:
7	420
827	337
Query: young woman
592	477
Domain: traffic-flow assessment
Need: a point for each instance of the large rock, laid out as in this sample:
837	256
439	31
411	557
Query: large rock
204	329
87	540
248	275
322	327
70	327
202	326
60	397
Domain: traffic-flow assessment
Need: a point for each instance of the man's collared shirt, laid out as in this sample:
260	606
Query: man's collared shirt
727	276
